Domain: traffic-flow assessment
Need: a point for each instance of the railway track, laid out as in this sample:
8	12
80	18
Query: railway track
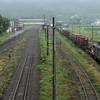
9	40
88	88
9	44
20	91
6	45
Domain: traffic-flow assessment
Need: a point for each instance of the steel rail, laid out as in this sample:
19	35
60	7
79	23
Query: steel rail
28	77
86	76
25	93
79	76
26	86
13	97
4	46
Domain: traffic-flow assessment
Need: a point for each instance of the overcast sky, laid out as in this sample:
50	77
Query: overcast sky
73	1
12	7
78	2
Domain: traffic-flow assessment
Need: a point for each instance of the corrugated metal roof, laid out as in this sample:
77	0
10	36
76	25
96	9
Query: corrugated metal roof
75	34
32	19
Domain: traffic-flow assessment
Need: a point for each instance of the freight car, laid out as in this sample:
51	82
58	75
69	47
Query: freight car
65	32
74	37
78	39
82	42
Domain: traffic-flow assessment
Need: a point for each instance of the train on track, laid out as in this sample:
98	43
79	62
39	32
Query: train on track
82	42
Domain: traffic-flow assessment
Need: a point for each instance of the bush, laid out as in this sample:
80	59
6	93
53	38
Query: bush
97	86
1	95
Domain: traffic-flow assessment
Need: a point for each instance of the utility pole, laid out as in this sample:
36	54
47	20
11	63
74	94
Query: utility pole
44	19
72	26
45	26
14	26
92	32
54	63
80	28
47	40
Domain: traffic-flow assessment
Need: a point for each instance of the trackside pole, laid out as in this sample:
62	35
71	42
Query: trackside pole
45	27
92	32
54	63
47	40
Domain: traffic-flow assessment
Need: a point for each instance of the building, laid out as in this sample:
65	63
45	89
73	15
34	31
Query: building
11	27
96	22
22	22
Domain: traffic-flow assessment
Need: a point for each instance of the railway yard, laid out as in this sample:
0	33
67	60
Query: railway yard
79	66
49	50
26	69
21	84
77	72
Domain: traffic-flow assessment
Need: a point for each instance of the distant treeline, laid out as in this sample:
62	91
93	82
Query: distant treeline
4	24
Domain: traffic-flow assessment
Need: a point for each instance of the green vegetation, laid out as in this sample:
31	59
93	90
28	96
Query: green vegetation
4	36
4	24
80	89
0	95
59	23
64	88
25	27
45	67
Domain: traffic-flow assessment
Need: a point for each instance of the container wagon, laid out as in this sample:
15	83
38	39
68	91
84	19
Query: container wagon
74	37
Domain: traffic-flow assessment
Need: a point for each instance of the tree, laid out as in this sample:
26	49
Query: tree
4	24
75	21
0	20
59	23
1	29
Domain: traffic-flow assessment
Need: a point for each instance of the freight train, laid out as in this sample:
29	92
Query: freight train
82	42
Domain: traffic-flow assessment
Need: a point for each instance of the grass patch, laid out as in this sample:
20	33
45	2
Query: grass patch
80	89
45	67
64	91
4	36
1	95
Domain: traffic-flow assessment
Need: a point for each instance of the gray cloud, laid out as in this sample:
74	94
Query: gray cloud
36	8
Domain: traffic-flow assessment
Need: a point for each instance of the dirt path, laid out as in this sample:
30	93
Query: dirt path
33	88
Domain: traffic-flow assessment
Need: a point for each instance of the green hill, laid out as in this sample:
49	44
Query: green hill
37	9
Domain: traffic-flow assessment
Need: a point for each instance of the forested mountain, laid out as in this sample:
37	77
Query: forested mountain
61	9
